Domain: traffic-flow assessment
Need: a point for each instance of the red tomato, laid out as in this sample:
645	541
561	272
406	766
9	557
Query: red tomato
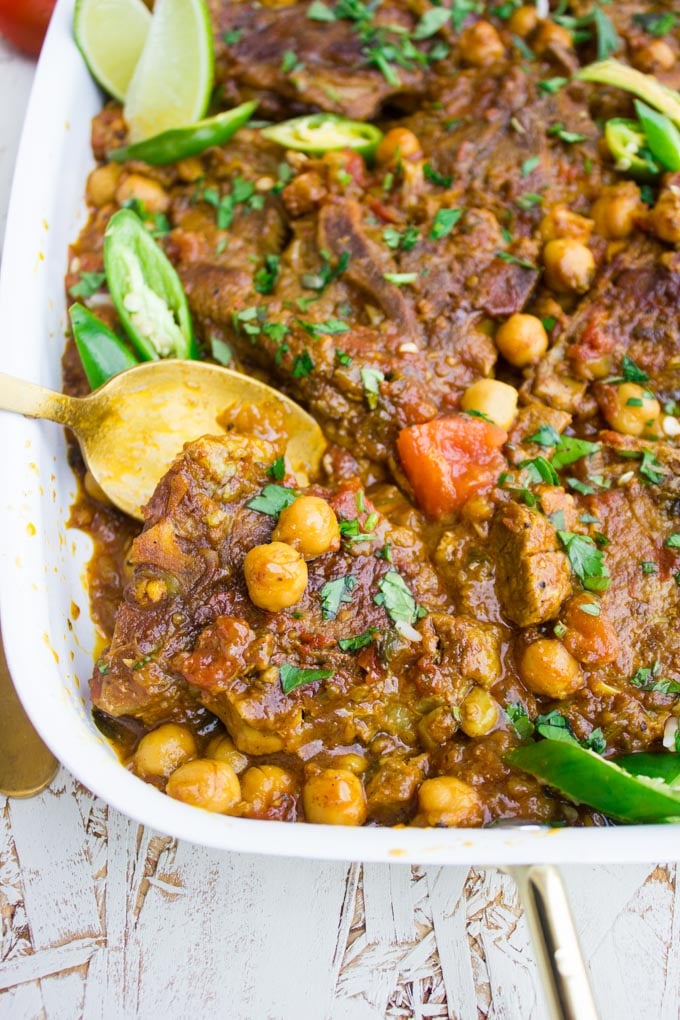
447	460
24	23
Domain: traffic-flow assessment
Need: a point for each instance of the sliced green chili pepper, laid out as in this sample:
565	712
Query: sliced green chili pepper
169	146
628	145
663	765
588	779
146	291
663	138
644	86
102	353
323	132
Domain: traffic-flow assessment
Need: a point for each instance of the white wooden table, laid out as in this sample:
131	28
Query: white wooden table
101	918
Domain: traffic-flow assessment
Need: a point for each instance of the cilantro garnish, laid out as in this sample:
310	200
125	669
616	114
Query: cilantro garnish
330	327
232	37
607	39
319	281
647	678
302	365
545	435
444	222
88	285
631	372
656	24
292	676
529	201
569	137
354	644
431	22
265	277
397	599
444	181
351	531
370	380
277	470
400	279
404	239
273	499
343	358
587	561
651	469
540	470
334	593
506	256
242	192
552	85
673	541
529	164
567	448
520	721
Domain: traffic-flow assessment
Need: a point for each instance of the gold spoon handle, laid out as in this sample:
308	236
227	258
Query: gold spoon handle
36	401
26	765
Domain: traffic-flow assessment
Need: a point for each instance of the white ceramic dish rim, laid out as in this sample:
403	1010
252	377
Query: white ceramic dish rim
48	641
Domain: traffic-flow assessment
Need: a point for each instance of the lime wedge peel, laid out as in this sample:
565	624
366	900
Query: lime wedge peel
173	80
111	34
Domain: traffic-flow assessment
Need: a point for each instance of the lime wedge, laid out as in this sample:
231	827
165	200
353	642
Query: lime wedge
173	80
110	34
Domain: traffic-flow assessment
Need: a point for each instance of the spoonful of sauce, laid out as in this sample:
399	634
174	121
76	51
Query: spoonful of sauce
131	428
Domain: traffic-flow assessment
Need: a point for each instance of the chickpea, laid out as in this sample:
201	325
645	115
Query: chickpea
448	801
561	221
522	339
523	21
657	55
478	713
102	184
569	266
222	748
630	409
548	669
495	399
665	217
264	786
480	44
310	526
212	785
335	797
190	169
549	36
276	576
617	209
590	637
150	193
162	750
398	144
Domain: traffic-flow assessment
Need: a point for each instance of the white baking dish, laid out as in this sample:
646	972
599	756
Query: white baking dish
46	627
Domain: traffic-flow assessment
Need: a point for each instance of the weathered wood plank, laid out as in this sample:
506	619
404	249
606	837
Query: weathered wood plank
449	915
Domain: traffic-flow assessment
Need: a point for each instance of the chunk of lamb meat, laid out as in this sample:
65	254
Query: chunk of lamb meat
533	577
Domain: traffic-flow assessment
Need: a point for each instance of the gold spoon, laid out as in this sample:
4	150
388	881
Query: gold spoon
133	426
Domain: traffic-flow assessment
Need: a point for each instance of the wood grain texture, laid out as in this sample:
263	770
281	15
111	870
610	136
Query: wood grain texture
106	920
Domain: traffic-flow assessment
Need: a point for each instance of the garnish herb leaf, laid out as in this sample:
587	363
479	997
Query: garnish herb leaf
444	221
265	277
443	180
647	679
431	22
521	723
370	380
273	499
354	644
631	372
292	676
277	470
397	599
88	284
334	593
587	561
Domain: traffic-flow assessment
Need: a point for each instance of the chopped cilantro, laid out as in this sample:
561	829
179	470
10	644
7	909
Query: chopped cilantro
631	372
354	644
370	380
444	222
277	470
396	598
549	323
647	678
673	541
545	435
460	9
351	531
232	37
656	24
343	358
265	277
529	201
273	499
385	552
406	239
554	726
88	284
506	256
578	486
570	449
649	567
334	593
292	676
444	181
400	279
540	470
302	366
319	281
608	41
520	721
529	164
569	137
290	62
330	327
431	22
651	469
552	85
587	561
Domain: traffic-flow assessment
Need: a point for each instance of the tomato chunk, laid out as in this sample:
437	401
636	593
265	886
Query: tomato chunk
447	460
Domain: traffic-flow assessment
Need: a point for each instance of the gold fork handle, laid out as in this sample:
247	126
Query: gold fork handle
555	941
34	401
26	765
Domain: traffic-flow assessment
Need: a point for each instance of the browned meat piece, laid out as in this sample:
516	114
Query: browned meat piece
533	576
331	70
631	310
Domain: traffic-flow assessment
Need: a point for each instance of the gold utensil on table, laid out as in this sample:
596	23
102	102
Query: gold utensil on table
133	426
26	765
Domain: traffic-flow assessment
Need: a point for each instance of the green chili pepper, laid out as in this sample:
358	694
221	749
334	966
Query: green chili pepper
102	353
664	766
146	291
586	778
323	132
663	138
644	86
628	145
169	146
